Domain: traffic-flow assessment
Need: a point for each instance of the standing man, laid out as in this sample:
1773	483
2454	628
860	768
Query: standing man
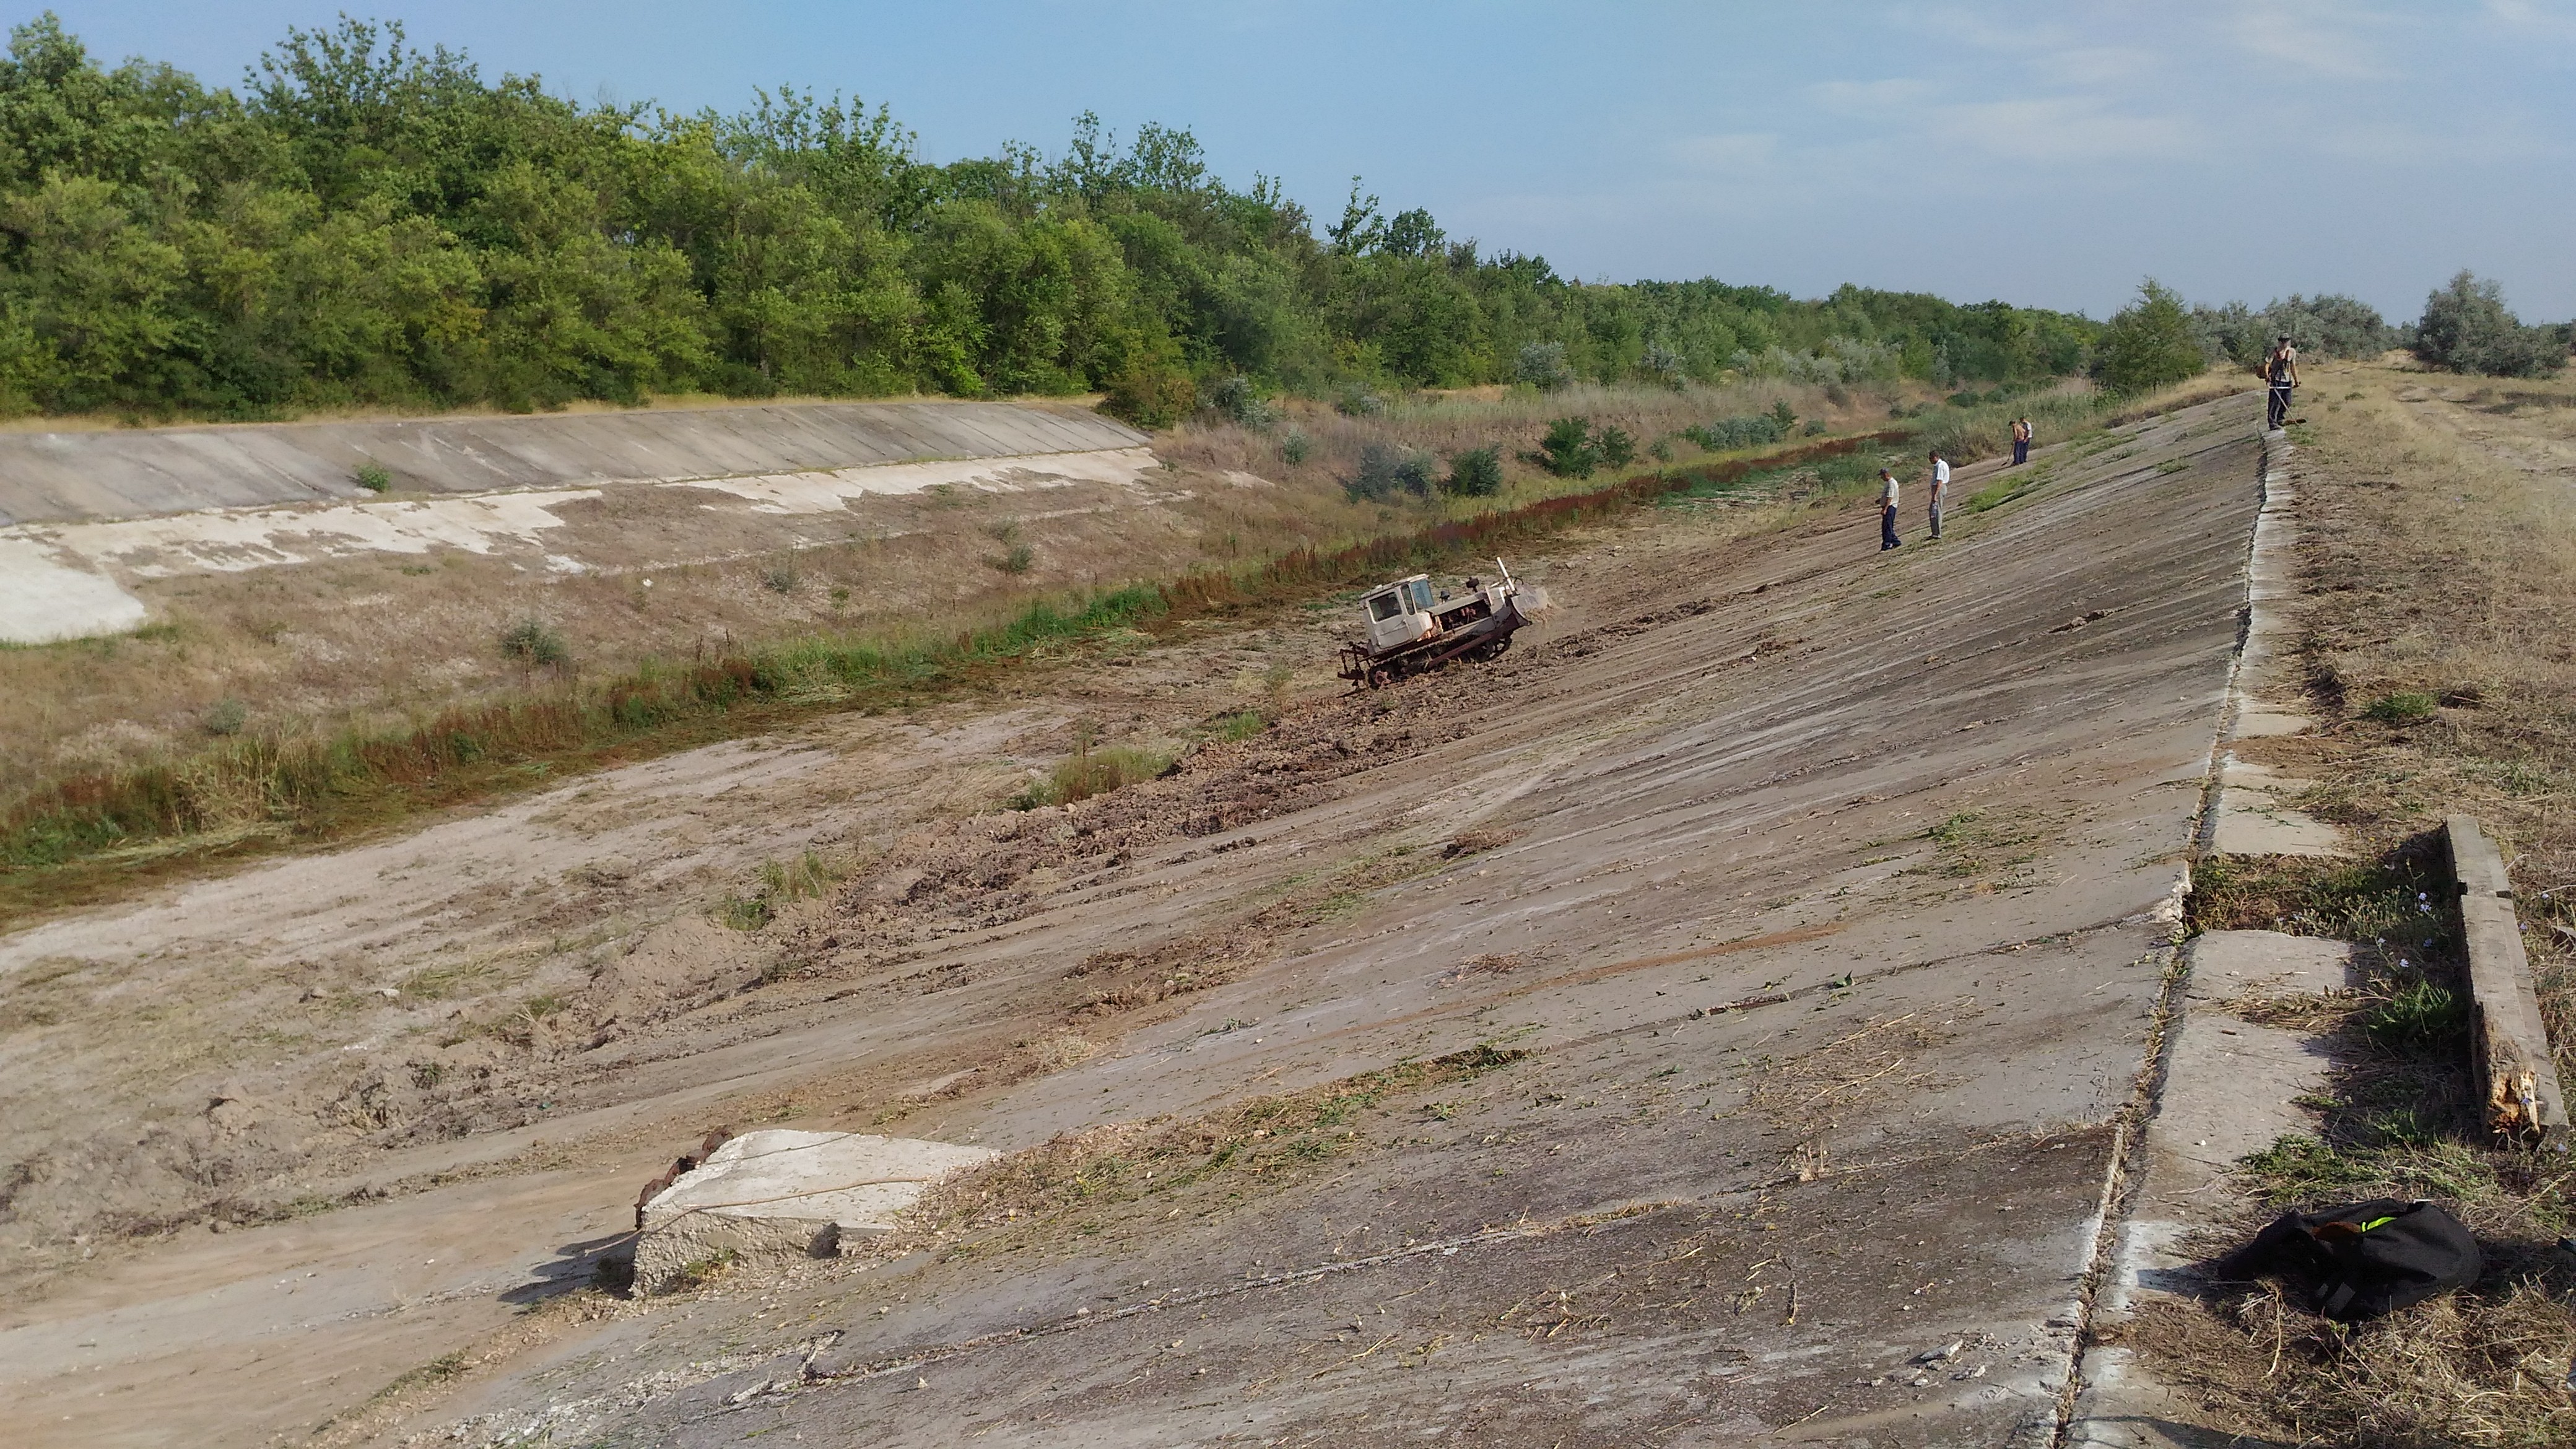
2282	372
1940	489
2021	441
1887	538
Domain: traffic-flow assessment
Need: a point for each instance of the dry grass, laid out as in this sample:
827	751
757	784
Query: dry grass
2439	567
1512	419
2442	563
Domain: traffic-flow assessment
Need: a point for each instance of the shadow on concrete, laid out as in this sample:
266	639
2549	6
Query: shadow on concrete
2146	1431
577	1265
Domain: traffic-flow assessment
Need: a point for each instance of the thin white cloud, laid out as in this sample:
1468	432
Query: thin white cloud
2066	129
2326	39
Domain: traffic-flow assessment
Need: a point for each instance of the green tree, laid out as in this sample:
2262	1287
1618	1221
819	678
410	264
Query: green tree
2149	343
369	222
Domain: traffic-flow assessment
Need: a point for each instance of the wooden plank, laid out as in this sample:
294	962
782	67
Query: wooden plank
2476	861
2510	1043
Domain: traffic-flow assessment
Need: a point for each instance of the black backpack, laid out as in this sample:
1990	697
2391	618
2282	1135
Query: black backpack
2367	1258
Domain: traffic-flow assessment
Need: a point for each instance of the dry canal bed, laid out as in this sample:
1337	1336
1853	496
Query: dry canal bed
1671	1033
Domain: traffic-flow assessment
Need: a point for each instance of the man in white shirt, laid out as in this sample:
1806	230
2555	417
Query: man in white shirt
1887	538
1940	489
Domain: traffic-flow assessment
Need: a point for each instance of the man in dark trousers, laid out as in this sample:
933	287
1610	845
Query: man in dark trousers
2282	372
1887	538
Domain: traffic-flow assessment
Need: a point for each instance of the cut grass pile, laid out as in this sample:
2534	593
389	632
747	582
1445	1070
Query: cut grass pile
1262	1140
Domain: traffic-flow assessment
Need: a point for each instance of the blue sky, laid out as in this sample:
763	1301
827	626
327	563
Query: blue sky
2047	154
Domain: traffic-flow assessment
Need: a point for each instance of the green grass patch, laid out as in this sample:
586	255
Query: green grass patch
2405	707
1239	726
2011	487
2400	903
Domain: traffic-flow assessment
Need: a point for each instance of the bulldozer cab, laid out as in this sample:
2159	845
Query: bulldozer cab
1400	612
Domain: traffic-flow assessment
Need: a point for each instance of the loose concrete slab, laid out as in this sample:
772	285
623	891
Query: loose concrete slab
780	1193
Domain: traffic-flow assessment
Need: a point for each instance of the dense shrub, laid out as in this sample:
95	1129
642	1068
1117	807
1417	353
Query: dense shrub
1665	365
1476	473
1149	394
2466	328
2324	326
1725	435
1542	365
1241	402
1568	450
1387	471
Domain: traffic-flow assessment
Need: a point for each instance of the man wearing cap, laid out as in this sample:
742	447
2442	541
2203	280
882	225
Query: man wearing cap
2282	372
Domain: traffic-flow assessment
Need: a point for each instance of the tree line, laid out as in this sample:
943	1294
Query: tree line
363	222
2466	327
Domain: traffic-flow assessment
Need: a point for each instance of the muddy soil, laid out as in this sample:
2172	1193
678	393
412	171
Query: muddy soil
1807	898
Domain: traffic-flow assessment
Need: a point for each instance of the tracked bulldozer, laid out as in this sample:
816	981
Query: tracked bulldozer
1414	626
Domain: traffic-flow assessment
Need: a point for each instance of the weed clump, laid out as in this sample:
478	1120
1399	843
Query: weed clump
373	477
1093	772
225	717
534	641
781	881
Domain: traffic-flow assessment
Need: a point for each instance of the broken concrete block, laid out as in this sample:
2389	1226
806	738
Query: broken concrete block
787	1194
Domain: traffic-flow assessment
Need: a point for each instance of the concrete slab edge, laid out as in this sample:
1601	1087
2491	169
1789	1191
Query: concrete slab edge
2111	1398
